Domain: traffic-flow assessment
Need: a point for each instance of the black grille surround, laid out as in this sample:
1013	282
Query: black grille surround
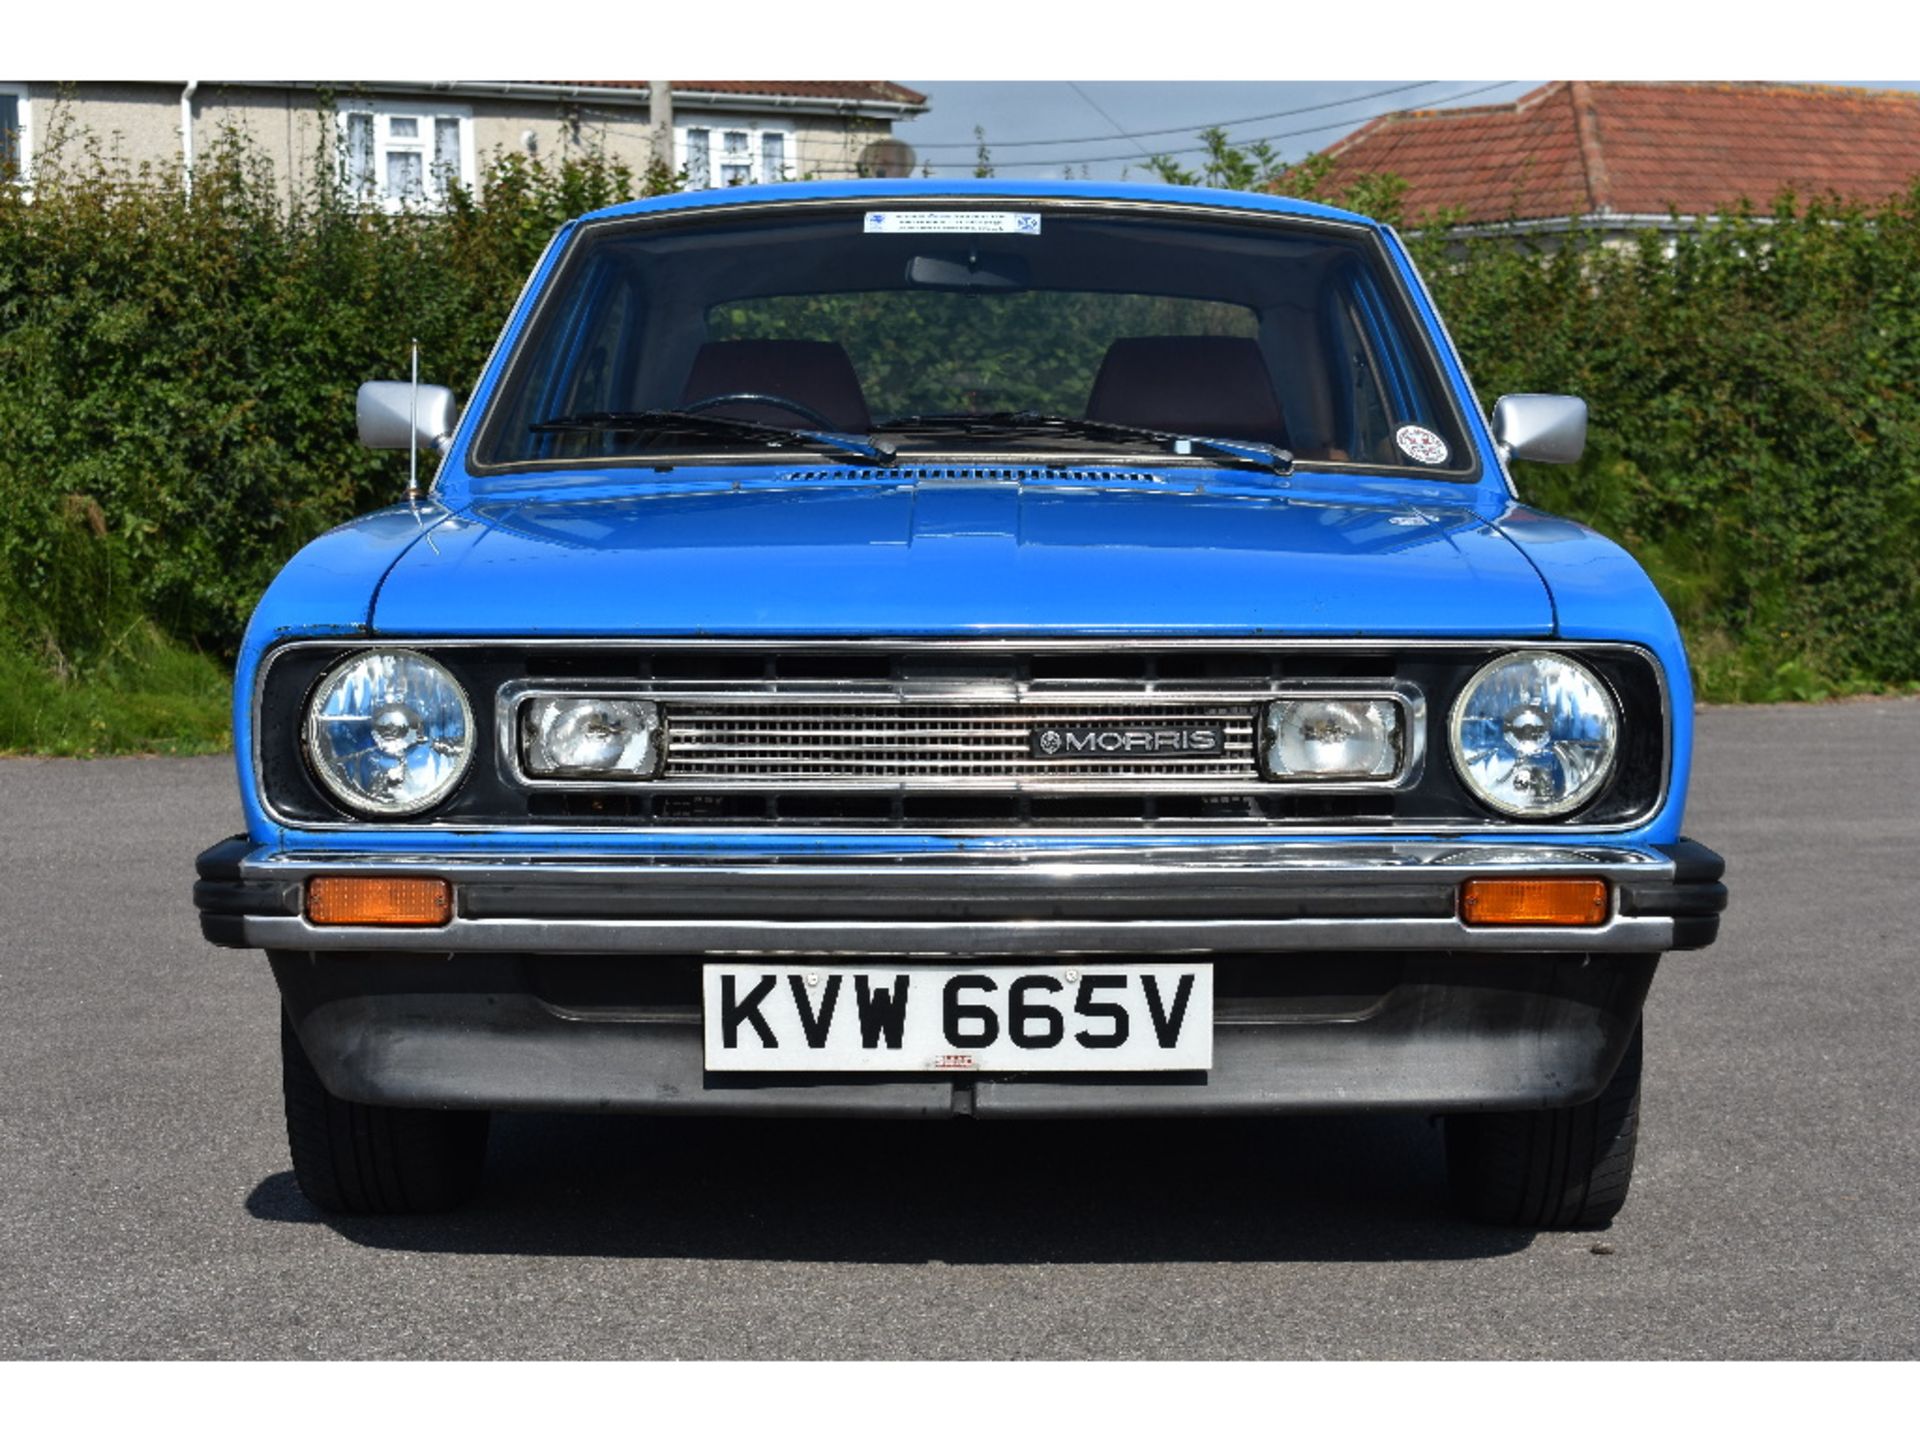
490	796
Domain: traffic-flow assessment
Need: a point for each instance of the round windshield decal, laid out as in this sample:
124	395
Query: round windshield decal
1419	443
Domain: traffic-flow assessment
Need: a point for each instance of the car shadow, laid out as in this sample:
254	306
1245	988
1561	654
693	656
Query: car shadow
982	1193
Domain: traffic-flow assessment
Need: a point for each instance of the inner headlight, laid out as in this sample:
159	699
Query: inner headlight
389	732
590	737
1535	734
1334	738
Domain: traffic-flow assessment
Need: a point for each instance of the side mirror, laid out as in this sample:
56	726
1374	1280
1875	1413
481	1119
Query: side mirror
1551	428
388	420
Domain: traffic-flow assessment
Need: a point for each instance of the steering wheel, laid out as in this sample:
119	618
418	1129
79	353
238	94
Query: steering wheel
755	397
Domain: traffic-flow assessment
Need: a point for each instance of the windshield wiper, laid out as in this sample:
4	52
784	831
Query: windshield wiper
693	423
1251	452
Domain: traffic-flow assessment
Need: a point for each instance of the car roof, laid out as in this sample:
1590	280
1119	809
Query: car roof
1026	191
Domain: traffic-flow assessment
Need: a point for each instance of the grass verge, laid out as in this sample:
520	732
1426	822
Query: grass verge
149	696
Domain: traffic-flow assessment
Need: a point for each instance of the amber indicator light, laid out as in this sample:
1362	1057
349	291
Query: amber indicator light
1534	902
378	900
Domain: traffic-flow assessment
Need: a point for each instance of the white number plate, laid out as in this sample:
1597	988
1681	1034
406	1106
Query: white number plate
846	1017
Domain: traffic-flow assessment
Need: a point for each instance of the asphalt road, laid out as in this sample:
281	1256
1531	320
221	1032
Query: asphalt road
146	1209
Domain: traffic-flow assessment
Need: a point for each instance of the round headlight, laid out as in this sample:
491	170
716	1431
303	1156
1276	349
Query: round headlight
1535	734
389	732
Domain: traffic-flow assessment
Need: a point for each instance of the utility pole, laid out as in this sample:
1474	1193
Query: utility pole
660	112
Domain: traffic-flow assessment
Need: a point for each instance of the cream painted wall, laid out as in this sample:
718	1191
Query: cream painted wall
140	124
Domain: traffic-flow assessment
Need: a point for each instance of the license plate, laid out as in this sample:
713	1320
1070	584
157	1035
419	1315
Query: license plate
847	1018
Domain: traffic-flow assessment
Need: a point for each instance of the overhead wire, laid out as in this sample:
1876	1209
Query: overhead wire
1118	129
1260	140
831	153
1180	129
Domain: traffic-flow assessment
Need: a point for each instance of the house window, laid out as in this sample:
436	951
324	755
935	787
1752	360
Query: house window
736	158
699	156
16	132
737	154
399	157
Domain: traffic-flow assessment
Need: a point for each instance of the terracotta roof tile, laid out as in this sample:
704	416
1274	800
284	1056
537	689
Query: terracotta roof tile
1576	147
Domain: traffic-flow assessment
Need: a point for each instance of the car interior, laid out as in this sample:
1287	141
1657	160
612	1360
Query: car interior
1291	336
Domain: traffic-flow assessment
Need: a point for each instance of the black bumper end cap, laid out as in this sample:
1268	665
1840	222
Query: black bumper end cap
1694	897
224	900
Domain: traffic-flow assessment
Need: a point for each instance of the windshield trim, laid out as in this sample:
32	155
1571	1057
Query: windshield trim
1420	335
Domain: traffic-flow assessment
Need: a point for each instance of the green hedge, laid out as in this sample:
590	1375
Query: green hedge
1754	388
177	375
177	378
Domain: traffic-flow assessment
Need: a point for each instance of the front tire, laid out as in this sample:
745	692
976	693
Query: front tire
354	1159
1565	1169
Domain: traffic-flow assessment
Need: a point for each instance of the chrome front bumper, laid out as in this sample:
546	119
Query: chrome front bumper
1269	897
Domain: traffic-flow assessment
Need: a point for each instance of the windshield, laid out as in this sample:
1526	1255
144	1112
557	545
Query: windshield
952	330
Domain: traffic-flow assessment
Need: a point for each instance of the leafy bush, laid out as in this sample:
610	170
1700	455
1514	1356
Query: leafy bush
1754	393
177	375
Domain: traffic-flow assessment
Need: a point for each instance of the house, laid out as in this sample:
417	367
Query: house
402	141
1630	156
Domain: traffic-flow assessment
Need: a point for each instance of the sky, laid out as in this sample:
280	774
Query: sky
1088	119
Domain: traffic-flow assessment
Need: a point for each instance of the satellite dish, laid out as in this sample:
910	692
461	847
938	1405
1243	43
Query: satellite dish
887	159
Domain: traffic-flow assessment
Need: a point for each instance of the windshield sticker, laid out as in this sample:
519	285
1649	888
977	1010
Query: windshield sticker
951	222
1417	442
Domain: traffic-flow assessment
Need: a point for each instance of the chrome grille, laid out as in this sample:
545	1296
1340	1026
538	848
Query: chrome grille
956	745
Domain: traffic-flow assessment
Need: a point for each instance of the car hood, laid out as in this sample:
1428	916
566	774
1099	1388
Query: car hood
887	557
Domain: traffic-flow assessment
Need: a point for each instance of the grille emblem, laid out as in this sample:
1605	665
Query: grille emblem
1048	742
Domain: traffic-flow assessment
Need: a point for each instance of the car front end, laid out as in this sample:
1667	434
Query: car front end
951	754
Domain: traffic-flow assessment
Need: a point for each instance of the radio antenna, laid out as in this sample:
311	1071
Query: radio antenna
413	451
413	429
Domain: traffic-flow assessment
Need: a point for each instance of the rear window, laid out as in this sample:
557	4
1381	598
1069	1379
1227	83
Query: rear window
916	353
1290	333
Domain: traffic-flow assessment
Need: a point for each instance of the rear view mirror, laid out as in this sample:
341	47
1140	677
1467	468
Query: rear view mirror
971	271
1550	428
388	419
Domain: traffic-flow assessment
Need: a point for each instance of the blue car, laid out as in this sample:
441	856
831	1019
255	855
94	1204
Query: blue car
965	649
